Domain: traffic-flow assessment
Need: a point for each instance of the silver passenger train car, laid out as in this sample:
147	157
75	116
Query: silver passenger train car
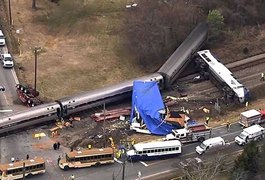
108	94
177	62
229	84
32	116
73	104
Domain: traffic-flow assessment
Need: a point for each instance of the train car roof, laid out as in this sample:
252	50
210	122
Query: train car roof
21	115
156	144
125	86
88	152
182	55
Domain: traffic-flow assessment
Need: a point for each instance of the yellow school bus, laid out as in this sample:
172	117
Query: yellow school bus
15	170
87	158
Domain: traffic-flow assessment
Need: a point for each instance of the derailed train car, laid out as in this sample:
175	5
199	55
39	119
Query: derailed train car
184	53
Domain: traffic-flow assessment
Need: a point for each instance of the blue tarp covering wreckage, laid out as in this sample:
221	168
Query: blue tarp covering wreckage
147	101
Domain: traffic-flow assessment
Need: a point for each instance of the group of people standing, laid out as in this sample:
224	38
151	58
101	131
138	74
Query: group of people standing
56	146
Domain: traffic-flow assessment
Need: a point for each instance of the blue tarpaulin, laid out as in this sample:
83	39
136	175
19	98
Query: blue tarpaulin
147	100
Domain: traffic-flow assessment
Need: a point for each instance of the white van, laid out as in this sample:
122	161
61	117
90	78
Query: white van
2	39
210	144
252	133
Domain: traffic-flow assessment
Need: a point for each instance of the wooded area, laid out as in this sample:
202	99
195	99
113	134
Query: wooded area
155	28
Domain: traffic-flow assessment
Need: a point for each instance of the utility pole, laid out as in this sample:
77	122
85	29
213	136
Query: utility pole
24	171
10	14
123	163
36	50
35	80
104	129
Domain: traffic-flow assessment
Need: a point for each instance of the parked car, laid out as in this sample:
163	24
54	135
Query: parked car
7	60
2	39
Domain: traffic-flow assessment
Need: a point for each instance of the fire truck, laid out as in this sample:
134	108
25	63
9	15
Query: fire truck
193	133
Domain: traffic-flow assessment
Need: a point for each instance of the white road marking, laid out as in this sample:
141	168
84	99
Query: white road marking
15	76
6	110
159	173
236	132
143	163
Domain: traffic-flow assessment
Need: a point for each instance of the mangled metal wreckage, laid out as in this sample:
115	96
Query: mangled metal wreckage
149	114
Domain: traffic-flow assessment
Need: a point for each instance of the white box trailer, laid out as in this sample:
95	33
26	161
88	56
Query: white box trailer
250	117
252	133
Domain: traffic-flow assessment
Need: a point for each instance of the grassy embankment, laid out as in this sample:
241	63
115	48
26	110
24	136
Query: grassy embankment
82	47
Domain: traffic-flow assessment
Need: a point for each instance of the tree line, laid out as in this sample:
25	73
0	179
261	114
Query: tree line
155	28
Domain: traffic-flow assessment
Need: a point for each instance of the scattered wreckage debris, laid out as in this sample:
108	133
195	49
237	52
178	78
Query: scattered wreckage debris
60	124
28	95
171	100
177	117
111	114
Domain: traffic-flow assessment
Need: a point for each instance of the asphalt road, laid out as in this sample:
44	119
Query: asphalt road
8	98
21	144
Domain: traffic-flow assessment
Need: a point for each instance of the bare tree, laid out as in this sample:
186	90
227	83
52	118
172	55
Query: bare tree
202	171
155	28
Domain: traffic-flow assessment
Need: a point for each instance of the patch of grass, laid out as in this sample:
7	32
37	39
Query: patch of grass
86	14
